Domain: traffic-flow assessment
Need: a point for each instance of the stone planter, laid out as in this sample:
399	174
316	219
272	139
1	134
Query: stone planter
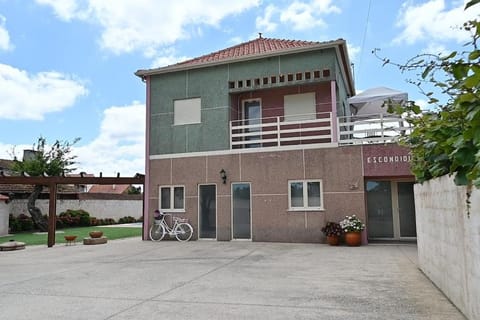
96	234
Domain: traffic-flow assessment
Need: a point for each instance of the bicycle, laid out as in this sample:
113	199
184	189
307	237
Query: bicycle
181	229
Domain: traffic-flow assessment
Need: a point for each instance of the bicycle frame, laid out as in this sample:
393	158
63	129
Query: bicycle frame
170	230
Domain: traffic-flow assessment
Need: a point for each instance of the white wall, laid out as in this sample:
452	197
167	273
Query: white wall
97	208
4	210
449	242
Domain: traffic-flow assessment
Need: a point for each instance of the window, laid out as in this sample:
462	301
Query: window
305	195
172	198
299	107
186	111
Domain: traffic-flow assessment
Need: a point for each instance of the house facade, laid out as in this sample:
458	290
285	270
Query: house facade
257	142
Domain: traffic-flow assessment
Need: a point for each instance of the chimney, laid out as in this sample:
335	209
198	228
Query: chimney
29	154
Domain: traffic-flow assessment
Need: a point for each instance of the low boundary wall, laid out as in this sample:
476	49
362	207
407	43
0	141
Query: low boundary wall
449	241
99	208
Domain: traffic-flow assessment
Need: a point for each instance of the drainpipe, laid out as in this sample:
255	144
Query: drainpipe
146	185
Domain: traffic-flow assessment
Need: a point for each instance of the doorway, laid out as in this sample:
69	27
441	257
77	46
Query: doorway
390	210
207	214
241	211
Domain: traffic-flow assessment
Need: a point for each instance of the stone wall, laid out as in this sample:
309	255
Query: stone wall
99	208
449	241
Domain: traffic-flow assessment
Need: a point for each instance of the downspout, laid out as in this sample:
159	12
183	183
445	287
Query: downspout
146	185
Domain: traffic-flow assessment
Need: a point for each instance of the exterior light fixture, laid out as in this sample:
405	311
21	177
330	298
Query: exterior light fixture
223	175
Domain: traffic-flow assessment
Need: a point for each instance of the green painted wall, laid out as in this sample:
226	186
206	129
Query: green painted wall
211	85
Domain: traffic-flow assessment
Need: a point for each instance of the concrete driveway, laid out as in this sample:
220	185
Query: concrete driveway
134	279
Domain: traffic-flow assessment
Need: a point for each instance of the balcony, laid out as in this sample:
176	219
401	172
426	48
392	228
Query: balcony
319	128
372	128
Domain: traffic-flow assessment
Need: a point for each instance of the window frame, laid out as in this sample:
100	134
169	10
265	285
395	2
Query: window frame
305	206
172	198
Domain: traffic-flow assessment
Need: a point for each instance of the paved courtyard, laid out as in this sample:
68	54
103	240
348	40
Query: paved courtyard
134	279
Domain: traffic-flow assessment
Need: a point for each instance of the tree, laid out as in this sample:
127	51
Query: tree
446	140
50	161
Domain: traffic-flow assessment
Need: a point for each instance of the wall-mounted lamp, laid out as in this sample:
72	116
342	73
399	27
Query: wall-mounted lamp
223	175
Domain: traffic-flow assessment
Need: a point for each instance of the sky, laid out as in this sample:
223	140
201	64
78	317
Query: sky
67	66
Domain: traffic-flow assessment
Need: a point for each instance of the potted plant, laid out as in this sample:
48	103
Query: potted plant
352	227
332	231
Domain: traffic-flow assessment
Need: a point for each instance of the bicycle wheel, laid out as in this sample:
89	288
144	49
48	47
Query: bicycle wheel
183	231
157	232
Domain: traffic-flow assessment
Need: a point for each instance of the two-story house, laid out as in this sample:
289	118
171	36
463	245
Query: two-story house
257	142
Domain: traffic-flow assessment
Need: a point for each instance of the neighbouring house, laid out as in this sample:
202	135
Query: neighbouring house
101	201
258	141
110	188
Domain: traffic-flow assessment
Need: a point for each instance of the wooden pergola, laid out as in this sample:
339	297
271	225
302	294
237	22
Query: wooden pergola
54	181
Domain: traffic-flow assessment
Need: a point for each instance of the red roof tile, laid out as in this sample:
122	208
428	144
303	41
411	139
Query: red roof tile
258	46
255	48
116	189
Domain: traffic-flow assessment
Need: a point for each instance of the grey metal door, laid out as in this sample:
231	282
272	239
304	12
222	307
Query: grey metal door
207	203
241	211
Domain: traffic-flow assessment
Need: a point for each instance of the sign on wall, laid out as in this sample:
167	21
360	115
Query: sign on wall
386	161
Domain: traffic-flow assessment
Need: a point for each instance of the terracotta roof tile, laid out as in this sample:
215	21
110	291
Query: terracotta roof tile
115	189
251	48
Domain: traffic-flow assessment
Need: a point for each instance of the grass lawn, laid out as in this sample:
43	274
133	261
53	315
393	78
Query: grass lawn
110	232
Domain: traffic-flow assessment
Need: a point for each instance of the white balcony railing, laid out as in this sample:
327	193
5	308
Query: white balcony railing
373	128
281	131
316	129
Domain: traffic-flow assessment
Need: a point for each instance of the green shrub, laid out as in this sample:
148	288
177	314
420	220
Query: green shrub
59	223
74	218
127	219
25	222
94	221
84	219
108	221
14	224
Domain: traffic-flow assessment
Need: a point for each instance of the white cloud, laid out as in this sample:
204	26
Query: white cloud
265	23
435	48
433	21
5	43
165	57
146	25
423	104
120	145
31	96
236	40
163	61
307	15
353	52
65	9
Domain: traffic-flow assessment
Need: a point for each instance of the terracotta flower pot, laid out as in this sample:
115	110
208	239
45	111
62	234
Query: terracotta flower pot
332	240
70	238
96	234
353	239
